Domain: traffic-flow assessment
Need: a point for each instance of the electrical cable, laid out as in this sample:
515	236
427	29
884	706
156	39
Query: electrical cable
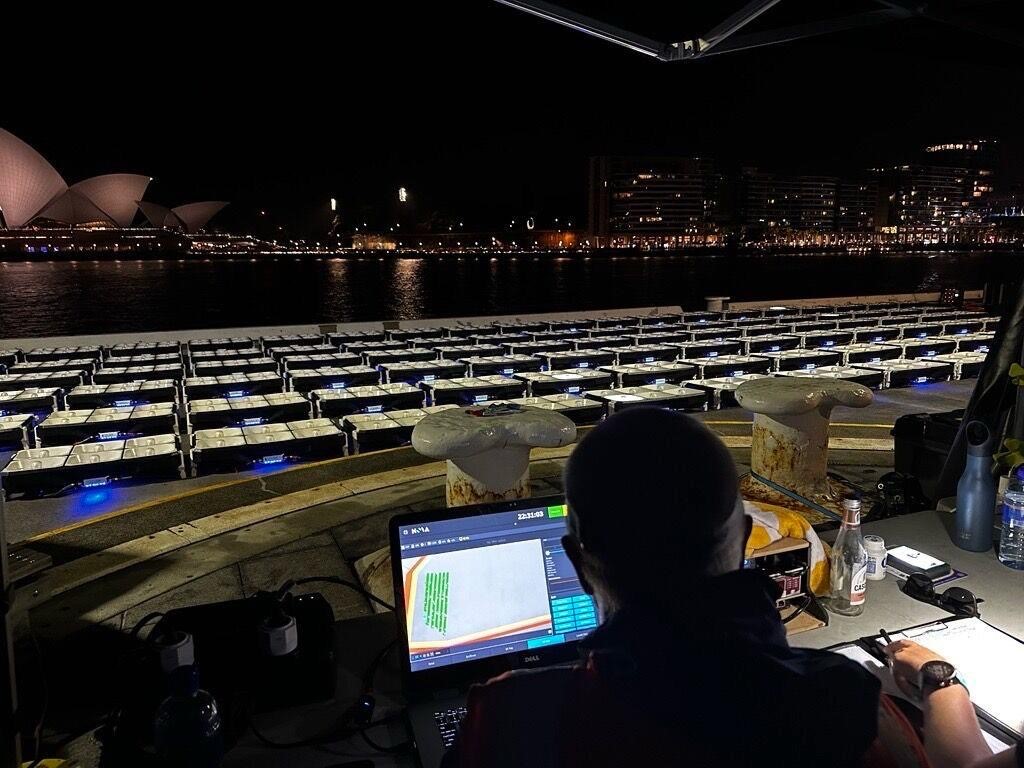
333	580
44	706
391	749
800	609
371	671
58	492
319	739
144	621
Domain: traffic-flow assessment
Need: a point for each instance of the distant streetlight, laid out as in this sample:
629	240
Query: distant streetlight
334	204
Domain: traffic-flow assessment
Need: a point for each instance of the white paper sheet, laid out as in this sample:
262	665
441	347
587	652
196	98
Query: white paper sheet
884	674
990	663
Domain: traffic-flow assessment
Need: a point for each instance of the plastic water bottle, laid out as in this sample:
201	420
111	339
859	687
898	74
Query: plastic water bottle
976	492
187	727
1011	542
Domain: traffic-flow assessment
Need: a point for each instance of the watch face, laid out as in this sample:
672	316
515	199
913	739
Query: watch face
935	673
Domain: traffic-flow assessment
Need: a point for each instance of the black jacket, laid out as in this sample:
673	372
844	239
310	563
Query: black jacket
712	683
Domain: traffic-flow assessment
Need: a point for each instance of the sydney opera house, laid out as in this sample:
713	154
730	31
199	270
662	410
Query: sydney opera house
41	212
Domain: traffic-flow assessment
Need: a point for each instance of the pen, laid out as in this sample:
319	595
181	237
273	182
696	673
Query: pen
888	641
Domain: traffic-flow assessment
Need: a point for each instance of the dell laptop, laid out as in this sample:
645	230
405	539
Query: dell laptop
480	590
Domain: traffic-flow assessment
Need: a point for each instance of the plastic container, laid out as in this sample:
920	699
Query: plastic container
1011	540
875	545
187	726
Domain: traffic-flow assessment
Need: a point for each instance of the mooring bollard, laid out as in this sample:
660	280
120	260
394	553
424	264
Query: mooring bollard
487	448
790	438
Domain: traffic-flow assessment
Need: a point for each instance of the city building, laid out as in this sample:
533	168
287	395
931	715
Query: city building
802	203
856	206
949	187
676	200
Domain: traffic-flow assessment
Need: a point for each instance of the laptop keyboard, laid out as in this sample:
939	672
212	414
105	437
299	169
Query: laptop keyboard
448	722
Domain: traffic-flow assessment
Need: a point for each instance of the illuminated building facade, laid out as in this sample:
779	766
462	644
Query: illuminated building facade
857	206
655	196
950	187
802	202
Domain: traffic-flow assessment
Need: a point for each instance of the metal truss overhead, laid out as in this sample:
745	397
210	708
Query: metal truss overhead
725	37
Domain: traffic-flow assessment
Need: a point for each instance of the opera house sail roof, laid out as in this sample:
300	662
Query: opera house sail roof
116	194
28	183
31	189
190	218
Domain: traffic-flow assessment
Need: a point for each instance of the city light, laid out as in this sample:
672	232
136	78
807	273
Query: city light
403	195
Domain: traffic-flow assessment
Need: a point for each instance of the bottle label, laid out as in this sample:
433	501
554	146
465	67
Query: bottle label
859	585
1013	515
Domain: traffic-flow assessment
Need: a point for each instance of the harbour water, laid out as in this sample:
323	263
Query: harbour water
106	296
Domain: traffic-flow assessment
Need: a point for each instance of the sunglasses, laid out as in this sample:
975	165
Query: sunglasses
955	600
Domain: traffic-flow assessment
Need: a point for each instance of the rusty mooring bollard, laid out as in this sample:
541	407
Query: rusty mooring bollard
488	448
790	439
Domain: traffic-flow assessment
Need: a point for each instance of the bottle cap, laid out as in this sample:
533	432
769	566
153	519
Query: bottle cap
851	510
175	650
979	442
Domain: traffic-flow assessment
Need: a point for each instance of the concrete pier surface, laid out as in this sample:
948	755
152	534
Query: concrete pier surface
210	537
122	552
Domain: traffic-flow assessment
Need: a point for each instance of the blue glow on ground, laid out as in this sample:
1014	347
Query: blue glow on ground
92	498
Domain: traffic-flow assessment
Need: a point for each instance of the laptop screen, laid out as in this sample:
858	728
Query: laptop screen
490	584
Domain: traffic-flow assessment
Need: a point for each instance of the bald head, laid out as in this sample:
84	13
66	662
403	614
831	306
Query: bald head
652	497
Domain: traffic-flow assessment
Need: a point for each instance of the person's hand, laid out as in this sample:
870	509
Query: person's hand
907	658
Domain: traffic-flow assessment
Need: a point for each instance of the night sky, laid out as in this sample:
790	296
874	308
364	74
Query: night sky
479	110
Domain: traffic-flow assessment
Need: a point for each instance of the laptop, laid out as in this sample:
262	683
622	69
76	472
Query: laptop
480	590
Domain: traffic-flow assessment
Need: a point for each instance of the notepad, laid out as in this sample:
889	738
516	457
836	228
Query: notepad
857	653
990	663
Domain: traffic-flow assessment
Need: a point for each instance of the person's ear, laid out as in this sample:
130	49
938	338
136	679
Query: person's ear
574	552
748	526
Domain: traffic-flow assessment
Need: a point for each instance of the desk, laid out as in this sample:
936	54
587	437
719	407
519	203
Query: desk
1002	588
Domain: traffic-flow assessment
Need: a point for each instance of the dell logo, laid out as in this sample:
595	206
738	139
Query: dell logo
533	658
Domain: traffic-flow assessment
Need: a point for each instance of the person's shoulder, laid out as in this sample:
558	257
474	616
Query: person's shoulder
820	658
525	682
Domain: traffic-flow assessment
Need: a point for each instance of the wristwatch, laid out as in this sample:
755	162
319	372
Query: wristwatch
935	675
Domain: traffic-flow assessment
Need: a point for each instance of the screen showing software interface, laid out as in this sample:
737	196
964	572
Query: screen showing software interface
490	584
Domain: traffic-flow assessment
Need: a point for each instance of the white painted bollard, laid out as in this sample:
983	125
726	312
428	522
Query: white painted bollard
488	448
791	418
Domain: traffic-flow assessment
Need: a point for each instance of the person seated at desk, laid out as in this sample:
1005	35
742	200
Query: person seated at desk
690	665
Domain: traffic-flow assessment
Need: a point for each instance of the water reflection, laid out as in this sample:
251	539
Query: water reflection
405	294
106	296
